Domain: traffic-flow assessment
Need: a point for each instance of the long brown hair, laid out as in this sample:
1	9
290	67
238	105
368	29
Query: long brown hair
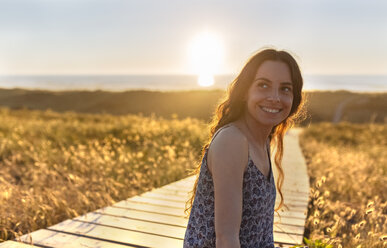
233	105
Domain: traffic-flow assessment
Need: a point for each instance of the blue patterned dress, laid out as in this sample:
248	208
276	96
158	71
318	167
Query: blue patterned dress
256	228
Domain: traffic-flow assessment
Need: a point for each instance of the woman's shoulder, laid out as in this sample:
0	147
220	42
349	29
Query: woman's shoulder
229	135
229	144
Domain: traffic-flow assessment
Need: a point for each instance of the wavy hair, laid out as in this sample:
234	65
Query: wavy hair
232	107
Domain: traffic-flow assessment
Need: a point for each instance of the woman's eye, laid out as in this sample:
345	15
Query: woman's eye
287	89
263	85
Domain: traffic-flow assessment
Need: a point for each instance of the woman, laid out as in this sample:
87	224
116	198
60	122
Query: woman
234	194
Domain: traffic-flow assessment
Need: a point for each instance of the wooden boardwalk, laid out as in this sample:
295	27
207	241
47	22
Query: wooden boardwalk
156	218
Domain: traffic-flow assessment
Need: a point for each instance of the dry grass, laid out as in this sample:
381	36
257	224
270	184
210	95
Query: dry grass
57	166
347	165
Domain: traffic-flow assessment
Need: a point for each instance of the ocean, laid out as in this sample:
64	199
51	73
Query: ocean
354	83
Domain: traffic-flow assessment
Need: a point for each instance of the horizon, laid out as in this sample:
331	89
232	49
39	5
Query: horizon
312	82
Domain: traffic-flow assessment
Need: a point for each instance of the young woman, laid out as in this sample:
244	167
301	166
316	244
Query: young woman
234	194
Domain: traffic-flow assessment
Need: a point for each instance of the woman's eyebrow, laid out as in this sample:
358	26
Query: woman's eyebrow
267	80
263	79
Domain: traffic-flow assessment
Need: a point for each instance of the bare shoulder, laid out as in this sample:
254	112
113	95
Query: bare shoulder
228	149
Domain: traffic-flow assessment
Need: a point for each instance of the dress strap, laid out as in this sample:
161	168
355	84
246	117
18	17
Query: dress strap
268	154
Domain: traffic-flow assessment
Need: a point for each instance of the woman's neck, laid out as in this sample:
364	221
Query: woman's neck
259	133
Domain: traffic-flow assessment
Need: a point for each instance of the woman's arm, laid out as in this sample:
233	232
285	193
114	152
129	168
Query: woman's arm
228	157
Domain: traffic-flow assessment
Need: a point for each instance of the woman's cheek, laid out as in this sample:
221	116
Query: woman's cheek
289	99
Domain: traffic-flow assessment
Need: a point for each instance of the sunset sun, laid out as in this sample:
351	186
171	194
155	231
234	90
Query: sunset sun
206	54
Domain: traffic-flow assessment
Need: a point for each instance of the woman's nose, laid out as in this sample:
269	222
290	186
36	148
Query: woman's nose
273	96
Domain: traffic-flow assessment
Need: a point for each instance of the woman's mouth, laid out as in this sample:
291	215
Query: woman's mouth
270	110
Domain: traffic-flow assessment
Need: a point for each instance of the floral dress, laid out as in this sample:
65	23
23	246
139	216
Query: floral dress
256	228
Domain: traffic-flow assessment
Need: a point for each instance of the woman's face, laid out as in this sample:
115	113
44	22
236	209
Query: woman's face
270	96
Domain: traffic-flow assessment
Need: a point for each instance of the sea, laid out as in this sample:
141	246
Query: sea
354	83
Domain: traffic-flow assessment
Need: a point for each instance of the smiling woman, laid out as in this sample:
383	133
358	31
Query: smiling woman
233	199
206	54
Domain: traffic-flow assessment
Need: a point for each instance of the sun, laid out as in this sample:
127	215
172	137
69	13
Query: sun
206	55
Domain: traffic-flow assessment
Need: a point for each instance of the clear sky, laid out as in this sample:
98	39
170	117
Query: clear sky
153	37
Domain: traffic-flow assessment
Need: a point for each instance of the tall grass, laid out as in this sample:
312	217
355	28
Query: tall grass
57	166
347	165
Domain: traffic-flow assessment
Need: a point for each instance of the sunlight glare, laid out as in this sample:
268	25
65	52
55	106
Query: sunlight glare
206	55
206	80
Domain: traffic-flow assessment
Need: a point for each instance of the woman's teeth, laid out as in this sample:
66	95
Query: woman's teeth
270	110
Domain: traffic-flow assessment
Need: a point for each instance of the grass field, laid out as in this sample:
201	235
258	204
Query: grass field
347	165
56	166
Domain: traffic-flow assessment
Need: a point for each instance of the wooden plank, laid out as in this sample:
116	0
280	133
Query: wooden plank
287	187
284	228
49	238
161	229
130	213
140	225
285	223
14	244
163	191
291	201
185	189
289	183
158	202
294	207
178	190
151	217
153	195
291	214
182	185
293	197
181	205
117	235
294	192
287	238
293	204
128	204
290	221
122	207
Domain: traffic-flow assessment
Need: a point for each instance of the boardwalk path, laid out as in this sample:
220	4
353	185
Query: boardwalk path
156	218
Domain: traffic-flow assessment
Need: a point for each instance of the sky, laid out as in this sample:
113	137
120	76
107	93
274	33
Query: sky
156	36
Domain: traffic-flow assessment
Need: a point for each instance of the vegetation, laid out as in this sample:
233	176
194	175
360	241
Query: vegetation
57	166
321	105
195	104
347	165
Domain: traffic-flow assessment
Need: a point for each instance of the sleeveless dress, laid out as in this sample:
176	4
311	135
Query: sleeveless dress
256	229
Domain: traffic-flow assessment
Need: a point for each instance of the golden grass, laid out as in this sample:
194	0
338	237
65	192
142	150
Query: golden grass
57	166
347	165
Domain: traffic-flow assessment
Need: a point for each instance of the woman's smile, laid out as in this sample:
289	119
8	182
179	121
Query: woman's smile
270	110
